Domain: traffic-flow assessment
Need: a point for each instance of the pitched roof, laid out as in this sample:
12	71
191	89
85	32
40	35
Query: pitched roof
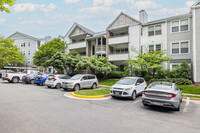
86	30
122	13
195	4
28	36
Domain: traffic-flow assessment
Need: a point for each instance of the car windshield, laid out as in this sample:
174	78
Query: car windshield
76	77
126	81
160	86
50	76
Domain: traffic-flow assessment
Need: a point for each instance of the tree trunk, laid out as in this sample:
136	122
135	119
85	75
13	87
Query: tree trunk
154	71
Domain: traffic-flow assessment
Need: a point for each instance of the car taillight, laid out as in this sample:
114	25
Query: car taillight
54	79
173	96
41	77
143	92
27	77
6	75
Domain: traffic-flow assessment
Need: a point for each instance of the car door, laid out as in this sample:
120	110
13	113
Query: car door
84	81
142	84
90	81
138	85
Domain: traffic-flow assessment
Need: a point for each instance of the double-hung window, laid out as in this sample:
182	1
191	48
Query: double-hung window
180	47
156	47
175	26
155	30
184	25
180	25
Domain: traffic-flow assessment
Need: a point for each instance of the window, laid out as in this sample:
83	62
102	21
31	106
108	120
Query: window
180	47
104	41
24	52
155	30
122	50
151	48
91	77
180	25
99	41
156	47
158	30
175	26
23	44
29	52
184	25
174	66
85	78
29	44
151	31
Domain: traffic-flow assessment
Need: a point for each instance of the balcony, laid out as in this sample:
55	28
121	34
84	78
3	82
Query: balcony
118	40
101	49
118	57
77	45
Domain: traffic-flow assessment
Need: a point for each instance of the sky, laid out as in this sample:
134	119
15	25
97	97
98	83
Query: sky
40	18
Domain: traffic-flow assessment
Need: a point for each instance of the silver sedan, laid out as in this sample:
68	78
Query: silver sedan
162	94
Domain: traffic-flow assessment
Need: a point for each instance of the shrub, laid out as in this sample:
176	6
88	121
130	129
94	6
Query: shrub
116	74
179	81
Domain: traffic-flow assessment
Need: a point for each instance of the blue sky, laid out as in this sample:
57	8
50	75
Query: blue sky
40	18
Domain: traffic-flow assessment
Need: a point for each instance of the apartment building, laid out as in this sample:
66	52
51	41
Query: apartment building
125	37
28	45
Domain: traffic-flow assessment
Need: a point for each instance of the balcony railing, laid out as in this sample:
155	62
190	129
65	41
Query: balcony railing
101	48
118	40
118	57
77	45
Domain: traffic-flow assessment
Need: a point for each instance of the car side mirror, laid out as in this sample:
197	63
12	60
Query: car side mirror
181	89
145	88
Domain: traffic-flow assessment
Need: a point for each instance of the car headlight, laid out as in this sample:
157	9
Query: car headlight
127	89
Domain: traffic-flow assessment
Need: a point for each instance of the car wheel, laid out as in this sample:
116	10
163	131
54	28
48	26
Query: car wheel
145	104
15	80
58	86
133	97
94	86
32	82
49	86
178	109
76	87
65	89
113	96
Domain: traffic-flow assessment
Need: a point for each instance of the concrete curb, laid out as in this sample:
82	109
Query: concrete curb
81	96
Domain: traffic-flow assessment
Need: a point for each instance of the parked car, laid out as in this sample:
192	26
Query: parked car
128	87
29	78
80	81
162	94
16	77
56	81
40	79
4	71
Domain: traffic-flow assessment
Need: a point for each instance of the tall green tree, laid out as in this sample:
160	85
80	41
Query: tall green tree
151	61
5	3
9	53
47	51
95	64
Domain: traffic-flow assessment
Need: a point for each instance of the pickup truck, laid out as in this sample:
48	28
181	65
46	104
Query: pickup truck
16	77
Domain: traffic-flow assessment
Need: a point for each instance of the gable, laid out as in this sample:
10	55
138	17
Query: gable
17	36
77	31
122	21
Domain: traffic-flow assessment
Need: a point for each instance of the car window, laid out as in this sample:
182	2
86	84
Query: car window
126	81
67	77
160	86
176	87
91	77
141	81
76	77
85	77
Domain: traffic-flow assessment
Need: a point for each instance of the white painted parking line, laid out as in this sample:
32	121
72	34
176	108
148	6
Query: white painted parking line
186	105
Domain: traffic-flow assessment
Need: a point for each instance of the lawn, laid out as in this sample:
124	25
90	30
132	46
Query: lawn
96	92
191	96
190	89
108	82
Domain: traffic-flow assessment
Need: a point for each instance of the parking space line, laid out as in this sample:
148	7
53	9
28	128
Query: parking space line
186	105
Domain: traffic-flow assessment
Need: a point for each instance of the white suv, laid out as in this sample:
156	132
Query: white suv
56	81
81	81
128	87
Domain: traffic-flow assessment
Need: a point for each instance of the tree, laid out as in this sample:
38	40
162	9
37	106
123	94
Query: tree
47	51
9	53
151	61
5	3
95	64
183	70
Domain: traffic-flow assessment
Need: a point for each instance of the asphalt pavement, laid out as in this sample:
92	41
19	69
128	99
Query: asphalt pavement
36	109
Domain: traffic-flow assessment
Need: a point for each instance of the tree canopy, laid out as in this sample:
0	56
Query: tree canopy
99	64
5	3
47	51
151	61
9	53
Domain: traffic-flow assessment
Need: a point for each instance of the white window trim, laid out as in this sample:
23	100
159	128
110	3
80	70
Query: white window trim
180	26
155	46
154	30
180	47
171	64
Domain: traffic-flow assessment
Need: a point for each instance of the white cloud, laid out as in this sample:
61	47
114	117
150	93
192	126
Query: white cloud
146	5
110	2
71	1
41	22
169	11
189	3
94	9
2	20
32	7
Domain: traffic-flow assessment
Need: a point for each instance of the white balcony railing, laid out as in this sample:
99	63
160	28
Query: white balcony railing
118	40
77	45
118	57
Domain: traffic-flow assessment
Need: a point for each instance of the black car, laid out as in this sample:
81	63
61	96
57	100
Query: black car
29	78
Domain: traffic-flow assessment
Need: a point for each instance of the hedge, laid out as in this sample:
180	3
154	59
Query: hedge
179	81
116	74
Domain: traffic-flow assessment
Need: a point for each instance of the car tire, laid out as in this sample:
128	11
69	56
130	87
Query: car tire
76	87
94	86
178	109
113	96
15	80
49	86
133	97
58	86
65	89
32	82
145	104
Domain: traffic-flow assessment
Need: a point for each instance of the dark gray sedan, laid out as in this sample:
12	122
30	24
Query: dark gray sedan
162	94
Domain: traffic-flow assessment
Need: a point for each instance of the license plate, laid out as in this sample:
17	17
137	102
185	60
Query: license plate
117	93
157	103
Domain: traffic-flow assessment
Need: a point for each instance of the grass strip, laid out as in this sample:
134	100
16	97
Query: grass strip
191	96
96	92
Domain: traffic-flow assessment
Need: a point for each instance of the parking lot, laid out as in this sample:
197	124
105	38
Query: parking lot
36	109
